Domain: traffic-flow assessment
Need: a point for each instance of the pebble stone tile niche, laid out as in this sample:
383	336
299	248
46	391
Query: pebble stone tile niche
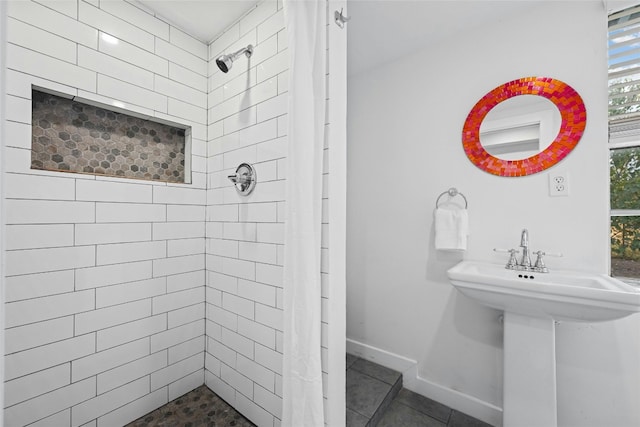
70	136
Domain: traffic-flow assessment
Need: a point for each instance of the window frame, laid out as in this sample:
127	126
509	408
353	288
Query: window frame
622	142
612	146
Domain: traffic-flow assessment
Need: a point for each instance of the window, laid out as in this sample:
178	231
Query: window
624	141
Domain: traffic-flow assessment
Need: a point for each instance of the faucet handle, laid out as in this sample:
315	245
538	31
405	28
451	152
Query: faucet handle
506	251
512	256
555	254
539	264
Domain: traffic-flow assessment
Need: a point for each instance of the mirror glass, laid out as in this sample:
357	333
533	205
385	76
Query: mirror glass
520	127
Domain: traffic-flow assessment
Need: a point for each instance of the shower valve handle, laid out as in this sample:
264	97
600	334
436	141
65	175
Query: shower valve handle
238	178
244	180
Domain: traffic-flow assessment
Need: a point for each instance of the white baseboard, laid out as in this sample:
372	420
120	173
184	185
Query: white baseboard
469	405
379	356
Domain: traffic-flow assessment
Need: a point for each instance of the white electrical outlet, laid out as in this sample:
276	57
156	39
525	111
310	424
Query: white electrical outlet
558	184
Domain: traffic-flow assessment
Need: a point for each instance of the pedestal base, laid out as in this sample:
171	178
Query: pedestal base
529	387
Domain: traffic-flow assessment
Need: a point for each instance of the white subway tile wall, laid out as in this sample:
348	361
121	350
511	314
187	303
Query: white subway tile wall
240	133
122	295
247	115
106	280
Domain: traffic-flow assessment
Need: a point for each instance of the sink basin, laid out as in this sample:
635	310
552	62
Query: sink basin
559	295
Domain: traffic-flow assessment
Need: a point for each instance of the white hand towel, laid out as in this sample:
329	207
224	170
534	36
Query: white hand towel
452	228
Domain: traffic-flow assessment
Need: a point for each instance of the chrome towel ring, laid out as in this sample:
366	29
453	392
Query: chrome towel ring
452	192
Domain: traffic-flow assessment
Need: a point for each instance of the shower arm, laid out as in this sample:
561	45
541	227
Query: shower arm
248	51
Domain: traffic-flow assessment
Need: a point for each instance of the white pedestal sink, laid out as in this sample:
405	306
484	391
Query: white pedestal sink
532	303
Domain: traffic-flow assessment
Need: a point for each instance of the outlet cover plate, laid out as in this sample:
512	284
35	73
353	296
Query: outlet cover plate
559	184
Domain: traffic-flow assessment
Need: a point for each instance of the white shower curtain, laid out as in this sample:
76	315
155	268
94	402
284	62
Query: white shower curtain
302	373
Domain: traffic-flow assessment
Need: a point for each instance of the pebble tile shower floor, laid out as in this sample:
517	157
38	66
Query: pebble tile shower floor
198	408
375	397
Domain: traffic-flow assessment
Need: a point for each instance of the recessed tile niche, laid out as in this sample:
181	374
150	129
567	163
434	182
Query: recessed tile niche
70	136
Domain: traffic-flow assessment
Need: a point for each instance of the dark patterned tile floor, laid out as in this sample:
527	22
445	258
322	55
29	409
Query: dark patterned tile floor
198	408
203	408
368	384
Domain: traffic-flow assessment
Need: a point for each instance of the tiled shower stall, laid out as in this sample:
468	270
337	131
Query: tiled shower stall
122	294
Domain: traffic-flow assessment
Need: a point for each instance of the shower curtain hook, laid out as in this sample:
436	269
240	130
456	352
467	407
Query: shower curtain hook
340	18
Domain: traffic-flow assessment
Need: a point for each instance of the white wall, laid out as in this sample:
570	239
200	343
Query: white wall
3	42
335	217
405	122
105	277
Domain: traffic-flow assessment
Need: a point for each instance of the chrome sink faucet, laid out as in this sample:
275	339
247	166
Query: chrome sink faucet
525	264
524	244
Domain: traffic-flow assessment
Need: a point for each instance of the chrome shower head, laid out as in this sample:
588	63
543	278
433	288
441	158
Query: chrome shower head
224	62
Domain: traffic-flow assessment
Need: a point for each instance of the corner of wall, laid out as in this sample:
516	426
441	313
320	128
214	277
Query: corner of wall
3	45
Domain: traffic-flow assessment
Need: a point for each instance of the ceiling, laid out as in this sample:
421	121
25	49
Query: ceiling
203	19
380	30
384	30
